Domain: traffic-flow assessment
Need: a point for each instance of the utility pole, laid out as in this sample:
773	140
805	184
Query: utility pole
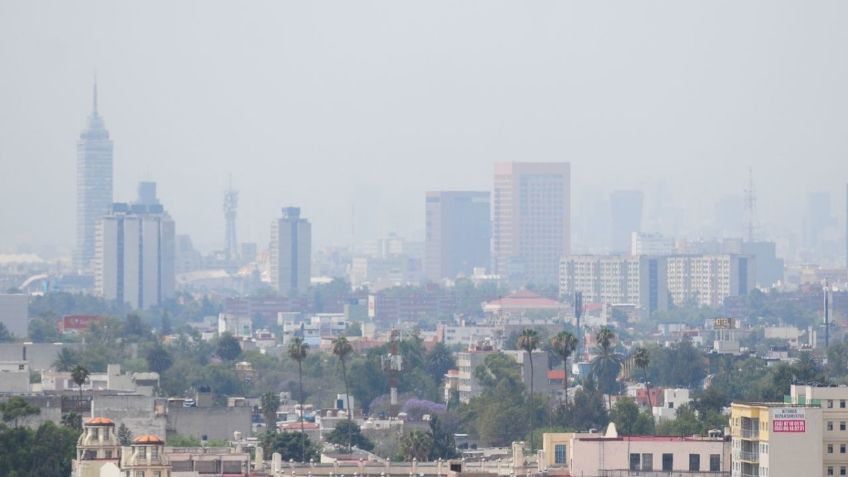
578	313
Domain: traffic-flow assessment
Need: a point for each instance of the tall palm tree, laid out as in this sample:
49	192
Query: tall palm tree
342	349
607	364
528	341
642	359
79	374
563	345
297	351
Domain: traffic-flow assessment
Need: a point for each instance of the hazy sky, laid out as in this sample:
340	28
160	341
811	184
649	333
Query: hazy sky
362	106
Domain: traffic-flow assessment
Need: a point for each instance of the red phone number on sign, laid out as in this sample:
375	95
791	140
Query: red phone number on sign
794	425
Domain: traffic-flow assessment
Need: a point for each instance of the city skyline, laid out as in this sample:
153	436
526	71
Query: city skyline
280	146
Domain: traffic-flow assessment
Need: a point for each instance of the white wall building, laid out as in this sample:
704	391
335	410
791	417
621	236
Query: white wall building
14	313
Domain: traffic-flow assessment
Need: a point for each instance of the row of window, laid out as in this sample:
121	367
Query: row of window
842	425
842	403
842	470
842	448
646	462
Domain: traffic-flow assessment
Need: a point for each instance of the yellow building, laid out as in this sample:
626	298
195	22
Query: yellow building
776	439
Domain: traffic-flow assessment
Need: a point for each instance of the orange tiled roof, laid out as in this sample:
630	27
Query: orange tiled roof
99	421
148	439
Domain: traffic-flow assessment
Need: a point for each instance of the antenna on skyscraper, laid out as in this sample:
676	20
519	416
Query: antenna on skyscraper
750	205
230	208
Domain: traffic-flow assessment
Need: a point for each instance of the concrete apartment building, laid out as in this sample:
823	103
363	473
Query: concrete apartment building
707	280
135	252
776	440
616	279
457	233
467	361
833	401
611	455
291	253
531	221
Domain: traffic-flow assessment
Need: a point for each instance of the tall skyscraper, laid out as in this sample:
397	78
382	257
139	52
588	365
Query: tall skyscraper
626	206
458	233
291	253
94	185
230	209
531	221
135	252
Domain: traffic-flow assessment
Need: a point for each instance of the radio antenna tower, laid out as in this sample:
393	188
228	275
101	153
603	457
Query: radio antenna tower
230	208
750	205
393	366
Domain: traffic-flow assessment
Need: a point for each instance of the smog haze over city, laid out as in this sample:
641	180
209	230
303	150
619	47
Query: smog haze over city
353	109
423	238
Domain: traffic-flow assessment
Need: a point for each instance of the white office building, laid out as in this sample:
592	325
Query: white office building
135	253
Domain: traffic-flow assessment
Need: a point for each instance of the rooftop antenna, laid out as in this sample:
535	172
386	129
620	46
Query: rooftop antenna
230	209
750	205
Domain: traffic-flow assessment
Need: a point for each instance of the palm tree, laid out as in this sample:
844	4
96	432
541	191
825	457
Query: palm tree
79	374
563	345
297	351
642	359
65	360
607	364
342	349
270	402
417	445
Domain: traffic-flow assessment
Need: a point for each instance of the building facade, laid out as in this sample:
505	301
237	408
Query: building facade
94	185
707	280
650	244
531	221
833	401
291	253
776	439
457	233
135	254
616	279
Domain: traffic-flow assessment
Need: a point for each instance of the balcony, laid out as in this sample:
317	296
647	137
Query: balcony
749	456
750	432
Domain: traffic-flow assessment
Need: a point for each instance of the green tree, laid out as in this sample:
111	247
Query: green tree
289	445
629	421
443	442
17	408
43	330
563	344
228	347
586	412
642	359
158	358
298	350
179	440
416	444
79	374
72	420
125	436
342	349
607	364
66	360
438	361
349	433
270	402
